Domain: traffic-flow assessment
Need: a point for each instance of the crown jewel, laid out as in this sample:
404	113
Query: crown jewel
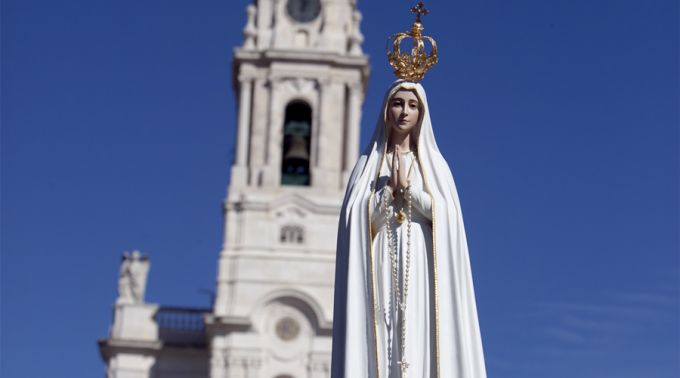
413	66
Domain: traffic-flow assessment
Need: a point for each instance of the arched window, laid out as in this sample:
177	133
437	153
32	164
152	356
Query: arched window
297	133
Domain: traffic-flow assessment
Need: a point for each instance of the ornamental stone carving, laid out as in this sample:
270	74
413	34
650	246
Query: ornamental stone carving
132	278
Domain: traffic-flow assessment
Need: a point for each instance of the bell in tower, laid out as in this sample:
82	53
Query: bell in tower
300	78
296	143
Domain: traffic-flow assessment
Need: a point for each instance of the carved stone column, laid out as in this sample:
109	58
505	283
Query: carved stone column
253	365
272	171
353	119
260	121
236	367
240	365
319	365
243	121
329	154
130	365
334	31
217	364
242	142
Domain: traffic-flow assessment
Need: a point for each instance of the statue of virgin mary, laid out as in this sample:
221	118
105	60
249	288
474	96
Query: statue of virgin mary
404	299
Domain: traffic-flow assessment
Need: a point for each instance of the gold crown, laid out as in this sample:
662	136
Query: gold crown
412	67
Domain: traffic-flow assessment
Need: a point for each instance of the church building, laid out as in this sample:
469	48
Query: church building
299	78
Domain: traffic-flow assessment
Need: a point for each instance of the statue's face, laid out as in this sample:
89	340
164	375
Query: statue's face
403	111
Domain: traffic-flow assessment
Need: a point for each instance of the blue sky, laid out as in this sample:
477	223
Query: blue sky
559	120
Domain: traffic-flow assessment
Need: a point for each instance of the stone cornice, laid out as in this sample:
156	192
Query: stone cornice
277	252
110	347
225	324
265	59
269	201
300	56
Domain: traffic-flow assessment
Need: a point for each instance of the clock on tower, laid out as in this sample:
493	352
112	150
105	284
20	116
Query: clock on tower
303	10
300	78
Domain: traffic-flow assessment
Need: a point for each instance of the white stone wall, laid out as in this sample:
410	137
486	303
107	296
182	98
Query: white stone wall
273	311
266	284
130	365
335	30
334	94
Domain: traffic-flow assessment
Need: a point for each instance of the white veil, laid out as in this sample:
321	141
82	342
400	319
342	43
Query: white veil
457	337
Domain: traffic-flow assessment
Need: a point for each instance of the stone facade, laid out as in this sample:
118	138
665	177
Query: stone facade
300	79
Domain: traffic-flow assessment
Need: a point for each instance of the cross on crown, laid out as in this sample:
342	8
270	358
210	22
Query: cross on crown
419	10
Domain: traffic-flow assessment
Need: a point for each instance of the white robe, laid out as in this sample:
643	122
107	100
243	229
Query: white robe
444	339
419	344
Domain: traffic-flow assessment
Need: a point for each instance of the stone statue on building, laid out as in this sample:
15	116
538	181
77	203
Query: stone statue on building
299	78
132	278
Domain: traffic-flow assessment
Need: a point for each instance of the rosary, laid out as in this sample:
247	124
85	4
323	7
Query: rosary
399	296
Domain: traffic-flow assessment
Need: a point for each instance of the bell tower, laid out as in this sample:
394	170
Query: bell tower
299	78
